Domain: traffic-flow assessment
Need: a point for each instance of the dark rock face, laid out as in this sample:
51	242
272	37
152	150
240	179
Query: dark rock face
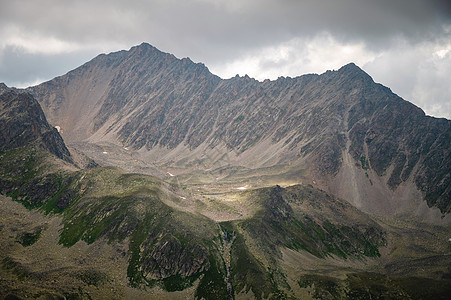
147	98
169	258
398	134
22	121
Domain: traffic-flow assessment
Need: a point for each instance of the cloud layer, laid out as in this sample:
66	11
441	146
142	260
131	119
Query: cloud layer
404	44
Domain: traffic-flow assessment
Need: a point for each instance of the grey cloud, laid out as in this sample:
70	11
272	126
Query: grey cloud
201	29
417	76
19	68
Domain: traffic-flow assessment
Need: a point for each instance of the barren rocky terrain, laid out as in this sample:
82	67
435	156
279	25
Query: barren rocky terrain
324	128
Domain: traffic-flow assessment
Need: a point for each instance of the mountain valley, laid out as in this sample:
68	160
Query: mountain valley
140	175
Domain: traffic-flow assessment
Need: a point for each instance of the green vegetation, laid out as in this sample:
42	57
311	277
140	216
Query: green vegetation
288	225
248	273
283	221
16	268
212	284
149	223
108	203
178	283
27	178
29	238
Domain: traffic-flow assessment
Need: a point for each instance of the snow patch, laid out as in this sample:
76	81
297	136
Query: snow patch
104	152
172	175
58	128
241	188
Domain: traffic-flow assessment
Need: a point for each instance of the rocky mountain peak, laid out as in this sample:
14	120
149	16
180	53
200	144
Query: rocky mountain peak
350	67
3	86
150	100
146	49
353	72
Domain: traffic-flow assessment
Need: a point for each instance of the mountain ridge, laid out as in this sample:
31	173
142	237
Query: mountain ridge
226	216
177	113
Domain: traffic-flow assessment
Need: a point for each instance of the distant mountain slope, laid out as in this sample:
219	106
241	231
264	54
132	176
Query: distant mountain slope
105	233
336	125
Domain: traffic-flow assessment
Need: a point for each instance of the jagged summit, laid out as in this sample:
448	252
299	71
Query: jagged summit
147	49
145	45
350	67
148	100
353	72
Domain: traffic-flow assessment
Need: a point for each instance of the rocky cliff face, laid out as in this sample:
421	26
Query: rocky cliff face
22	121
335	125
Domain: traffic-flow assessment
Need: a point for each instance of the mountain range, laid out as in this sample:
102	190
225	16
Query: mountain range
158	179
331	127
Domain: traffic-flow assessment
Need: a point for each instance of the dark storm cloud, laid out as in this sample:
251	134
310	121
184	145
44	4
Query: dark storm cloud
225	28
36	36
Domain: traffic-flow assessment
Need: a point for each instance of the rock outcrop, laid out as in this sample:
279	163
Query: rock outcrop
22	121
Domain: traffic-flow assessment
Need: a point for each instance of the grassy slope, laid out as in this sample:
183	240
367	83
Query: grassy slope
176	250
106	203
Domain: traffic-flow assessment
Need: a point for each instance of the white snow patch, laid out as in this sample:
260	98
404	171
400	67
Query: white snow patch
104	152
181	197
58	128
172	175
241	188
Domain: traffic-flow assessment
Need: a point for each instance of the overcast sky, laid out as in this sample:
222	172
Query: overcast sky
403	44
